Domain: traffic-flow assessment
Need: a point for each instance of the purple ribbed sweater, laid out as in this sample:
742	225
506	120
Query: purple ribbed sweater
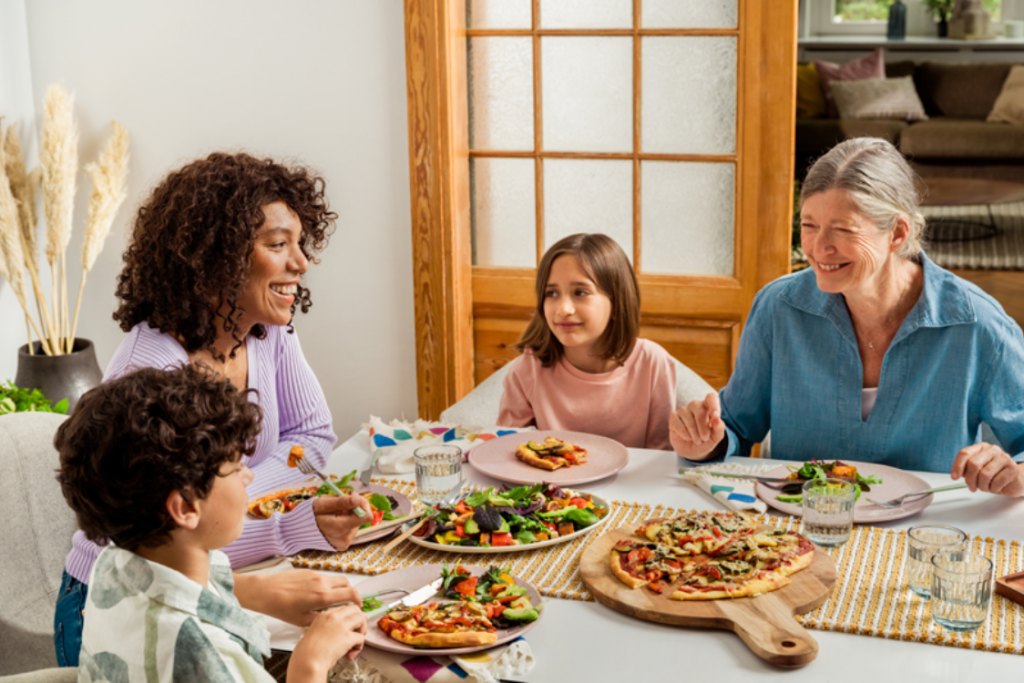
294	412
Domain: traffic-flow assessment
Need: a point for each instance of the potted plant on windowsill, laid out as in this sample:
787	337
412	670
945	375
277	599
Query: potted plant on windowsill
941	10
59	364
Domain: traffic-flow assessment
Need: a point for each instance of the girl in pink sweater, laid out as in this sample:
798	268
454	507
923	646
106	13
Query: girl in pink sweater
583	367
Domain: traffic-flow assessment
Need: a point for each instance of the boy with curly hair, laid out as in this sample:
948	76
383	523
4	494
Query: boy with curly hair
152	464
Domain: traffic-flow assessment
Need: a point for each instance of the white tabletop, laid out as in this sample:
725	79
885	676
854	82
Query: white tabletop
586	641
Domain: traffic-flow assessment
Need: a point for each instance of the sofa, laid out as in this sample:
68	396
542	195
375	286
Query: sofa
955	141
35	537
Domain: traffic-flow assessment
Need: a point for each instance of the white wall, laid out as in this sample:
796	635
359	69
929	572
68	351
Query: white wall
320	81
16	106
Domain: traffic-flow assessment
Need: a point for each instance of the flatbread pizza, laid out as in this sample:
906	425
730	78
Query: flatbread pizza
551	454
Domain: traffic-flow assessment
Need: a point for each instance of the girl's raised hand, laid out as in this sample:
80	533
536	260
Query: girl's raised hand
696	429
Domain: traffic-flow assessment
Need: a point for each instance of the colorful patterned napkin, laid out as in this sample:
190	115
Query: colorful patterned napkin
735	494
399	439
376	666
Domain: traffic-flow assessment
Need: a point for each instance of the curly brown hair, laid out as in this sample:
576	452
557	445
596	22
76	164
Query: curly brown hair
192	239
131	442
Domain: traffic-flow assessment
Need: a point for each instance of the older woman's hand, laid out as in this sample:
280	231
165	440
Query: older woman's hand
292	596
987	467
696	430
336	521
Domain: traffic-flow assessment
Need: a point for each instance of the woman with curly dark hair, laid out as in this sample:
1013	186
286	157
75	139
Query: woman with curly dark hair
212	275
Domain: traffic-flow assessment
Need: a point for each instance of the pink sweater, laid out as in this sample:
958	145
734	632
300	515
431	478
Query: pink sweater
630	404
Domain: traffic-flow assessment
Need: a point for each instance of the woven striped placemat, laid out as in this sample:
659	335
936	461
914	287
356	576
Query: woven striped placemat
871	597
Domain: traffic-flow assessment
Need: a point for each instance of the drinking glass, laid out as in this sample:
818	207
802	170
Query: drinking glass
923	542
438	469
961	590
828	511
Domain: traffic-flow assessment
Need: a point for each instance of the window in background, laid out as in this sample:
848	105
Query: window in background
869	17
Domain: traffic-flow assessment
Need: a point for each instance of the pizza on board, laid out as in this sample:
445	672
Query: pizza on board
715	554
455	624
551	454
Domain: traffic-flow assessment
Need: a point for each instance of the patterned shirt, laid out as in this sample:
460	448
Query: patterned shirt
146	622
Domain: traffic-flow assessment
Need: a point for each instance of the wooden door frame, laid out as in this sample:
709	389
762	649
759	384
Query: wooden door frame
439	184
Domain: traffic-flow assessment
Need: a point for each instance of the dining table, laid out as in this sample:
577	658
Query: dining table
587	641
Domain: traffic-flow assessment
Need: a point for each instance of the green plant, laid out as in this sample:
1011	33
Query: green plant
940	8
15	400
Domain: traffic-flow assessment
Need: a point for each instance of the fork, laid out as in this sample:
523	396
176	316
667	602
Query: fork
896	502
307	468
365	475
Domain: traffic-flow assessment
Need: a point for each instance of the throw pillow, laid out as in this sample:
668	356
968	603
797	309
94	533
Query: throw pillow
1009	106
810	100
871	66
878	98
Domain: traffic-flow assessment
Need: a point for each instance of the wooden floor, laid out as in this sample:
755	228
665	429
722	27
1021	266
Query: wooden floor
1005	286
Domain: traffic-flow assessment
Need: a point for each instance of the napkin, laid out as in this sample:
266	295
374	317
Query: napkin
735	494
514	660
398	440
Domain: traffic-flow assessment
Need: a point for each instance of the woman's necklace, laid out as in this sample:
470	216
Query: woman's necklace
889	318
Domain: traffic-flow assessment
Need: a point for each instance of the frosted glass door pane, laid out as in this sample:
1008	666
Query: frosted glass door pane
586	195
587	94
503	212
688	218
586	13
501	93
499	14
688	14
689	95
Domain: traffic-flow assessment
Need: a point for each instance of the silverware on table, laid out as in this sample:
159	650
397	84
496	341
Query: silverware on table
448	500
307	468
736	475
365	475
365	597
417	597
897	502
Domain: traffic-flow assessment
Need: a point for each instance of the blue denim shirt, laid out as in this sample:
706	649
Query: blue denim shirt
955	362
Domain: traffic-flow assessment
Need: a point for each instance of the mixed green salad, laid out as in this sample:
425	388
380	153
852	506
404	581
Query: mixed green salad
512	517
506	604
819	469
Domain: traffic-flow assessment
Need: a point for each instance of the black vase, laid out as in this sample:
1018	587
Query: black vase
59	377
943	28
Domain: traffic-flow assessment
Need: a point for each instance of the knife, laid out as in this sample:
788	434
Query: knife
417	597
734	475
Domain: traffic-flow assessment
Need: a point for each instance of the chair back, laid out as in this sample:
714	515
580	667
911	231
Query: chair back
35	536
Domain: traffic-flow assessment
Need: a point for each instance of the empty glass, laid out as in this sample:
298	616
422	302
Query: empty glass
828	511
923	542
438	469
961	590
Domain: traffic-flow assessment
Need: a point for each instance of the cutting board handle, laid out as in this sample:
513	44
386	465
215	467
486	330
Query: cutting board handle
779	639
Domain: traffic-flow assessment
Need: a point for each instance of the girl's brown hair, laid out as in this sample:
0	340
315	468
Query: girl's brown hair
608	266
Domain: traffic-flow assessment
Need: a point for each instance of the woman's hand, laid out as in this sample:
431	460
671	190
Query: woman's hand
336	633
987	467
292	596
336	521
696	430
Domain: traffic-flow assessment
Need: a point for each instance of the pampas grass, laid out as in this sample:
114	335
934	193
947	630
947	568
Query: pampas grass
109	191
58	158
56	176
12	256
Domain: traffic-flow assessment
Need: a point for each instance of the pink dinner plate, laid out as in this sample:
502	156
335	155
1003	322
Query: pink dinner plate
411	578
404	505
895	483
497	458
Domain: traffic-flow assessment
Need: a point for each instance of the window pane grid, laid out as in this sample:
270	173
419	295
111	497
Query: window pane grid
637	156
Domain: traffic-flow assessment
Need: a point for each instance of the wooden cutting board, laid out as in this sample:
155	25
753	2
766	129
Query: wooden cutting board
765	623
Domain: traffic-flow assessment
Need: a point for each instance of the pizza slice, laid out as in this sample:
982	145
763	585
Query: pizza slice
639	564
551	454
462	623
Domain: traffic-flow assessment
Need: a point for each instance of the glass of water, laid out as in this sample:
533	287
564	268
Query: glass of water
923	542
438	469
828	511
961	590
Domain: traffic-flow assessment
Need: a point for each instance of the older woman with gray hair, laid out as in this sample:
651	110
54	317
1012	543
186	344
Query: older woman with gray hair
874	353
